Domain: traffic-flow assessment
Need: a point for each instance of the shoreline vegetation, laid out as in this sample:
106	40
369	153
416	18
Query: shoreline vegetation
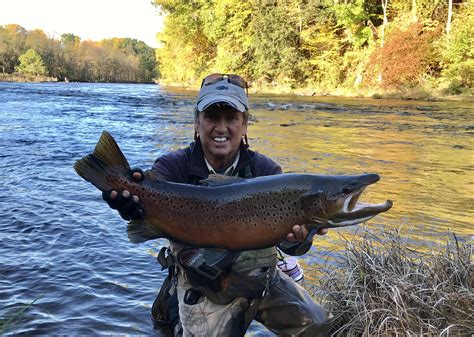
31	55
421	94
408	94
405	49
413	49
379	286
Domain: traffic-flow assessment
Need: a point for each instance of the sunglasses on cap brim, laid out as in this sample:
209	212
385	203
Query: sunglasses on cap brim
234	79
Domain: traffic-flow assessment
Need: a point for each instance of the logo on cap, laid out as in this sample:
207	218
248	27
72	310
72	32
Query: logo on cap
222	87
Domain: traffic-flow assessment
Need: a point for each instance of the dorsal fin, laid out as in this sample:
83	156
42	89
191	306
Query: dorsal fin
215	180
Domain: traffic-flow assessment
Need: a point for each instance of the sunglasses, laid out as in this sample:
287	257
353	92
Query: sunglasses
234	79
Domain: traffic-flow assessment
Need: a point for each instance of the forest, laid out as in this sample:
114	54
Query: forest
32	55
322	46
423	48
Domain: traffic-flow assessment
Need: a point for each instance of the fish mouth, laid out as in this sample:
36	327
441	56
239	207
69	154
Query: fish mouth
354	211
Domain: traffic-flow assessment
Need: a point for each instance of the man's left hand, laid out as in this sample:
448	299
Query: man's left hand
299	233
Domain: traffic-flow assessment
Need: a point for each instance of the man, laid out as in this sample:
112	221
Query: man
220	292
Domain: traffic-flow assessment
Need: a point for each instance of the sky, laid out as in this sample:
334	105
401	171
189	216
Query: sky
89	19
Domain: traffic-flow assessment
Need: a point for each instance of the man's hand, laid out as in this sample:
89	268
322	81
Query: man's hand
299	233
123	201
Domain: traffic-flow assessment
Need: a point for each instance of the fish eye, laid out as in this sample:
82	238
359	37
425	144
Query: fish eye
347	189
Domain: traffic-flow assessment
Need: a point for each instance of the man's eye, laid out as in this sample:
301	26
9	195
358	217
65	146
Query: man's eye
211	117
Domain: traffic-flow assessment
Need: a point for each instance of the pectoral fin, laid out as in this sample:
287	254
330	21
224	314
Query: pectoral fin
140	230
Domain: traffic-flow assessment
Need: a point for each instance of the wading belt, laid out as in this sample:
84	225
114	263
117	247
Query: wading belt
202	264
205	264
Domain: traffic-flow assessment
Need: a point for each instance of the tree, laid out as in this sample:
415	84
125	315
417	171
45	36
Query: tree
458	51
12	42
31	63
186	52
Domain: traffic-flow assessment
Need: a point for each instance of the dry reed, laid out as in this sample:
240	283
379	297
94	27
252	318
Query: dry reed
381	287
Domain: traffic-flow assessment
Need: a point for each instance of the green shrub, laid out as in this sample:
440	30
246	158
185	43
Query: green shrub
31	63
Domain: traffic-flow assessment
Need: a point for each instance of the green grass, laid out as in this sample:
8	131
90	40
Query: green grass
10	320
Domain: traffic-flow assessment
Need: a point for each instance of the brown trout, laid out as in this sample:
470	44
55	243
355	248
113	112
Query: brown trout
229	212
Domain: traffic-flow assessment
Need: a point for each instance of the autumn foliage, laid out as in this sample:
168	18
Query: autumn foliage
26	53
405	58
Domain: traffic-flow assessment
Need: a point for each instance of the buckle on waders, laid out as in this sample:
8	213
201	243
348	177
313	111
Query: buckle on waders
207	262
165	259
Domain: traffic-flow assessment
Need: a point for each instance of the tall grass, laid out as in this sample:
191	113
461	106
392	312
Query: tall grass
384	288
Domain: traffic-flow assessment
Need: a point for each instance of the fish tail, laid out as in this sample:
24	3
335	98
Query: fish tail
104	163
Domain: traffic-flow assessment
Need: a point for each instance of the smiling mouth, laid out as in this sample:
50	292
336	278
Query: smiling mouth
220	139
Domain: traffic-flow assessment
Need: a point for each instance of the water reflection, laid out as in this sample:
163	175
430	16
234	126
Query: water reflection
426	166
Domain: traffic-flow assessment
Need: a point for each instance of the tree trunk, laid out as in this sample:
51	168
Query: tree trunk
382	32
450	15
385	21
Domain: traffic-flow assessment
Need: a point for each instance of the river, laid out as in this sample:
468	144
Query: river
63	247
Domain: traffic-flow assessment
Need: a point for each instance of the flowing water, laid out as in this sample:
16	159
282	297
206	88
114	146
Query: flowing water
63	247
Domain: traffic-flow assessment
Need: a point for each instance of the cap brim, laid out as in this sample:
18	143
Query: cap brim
208	101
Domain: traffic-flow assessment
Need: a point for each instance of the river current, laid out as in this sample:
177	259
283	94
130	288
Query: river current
65	256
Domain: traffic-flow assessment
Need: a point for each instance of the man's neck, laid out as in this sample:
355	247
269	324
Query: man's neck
221	167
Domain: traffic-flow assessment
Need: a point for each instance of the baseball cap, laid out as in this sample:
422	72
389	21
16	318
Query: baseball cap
222	88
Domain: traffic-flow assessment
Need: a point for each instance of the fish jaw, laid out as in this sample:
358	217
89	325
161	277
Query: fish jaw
342	206
354	212
360	213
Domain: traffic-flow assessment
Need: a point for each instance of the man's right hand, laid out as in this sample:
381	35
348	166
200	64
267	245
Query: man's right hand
123	201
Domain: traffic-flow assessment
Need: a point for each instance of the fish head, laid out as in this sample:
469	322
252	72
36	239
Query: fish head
334	201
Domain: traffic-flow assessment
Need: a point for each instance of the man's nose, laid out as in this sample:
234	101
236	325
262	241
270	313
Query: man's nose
221	124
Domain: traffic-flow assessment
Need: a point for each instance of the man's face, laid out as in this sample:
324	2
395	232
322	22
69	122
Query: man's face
221	129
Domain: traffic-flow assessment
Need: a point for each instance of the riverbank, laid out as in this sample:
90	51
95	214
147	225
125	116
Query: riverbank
16	77
379	286
19	78
422	94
